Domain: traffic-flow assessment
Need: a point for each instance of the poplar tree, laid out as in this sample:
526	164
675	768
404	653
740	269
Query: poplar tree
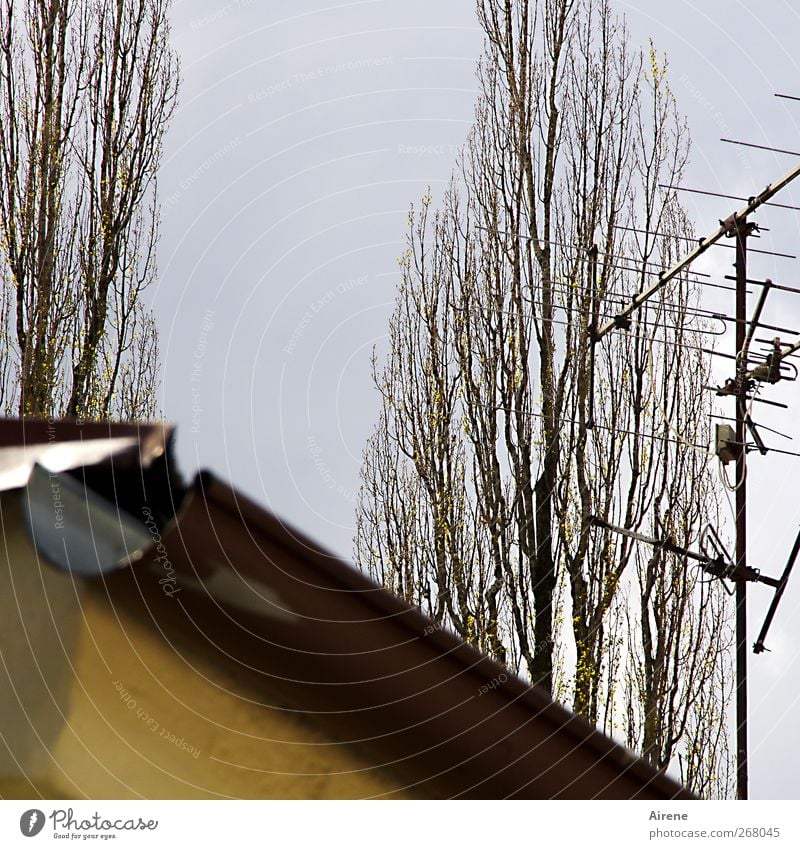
87	89
504	435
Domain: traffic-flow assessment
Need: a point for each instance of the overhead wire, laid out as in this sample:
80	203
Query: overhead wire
653	436
757	424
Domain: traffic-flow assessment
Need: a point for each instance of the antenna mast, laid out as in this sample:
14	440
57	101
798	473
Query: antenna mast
741	231
739	228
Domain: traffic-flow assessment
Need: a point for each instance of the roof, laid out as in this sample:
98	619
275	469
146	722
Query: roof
228	579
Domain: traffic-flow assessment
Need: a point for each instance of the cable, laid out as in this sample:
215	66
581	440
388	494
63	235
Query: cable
726	489
733	487
654	436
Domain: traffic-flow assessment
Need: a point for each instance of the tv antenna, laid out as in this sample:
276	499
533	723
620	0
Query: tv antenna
751	373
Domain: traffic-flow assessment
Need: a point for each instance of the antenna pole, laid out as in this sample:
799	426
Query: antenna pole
592	332
741	230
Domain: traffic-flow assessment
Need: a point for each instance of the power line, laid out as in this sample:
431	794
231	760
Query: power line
652	436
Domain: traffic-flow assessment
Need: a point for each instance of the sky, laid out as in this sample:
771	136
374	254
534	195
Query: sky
304	132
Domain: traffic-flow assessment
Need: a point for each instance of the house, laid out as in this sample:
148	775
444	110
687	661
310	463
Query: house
169	641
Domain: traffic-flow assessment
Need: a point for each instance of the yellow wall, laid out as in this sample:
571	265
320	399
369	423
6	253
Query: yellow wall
139	719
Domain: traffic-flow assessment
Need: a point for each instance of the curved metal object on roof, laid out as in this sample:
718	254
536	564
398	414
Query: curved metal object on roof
60	446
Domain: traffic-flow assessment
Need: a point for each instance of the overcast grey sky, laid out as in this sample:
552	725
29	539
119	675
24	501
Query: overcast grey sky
305	130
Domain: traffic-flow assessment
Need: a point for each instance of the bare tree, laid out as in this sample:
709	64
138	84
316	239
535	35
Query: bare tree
87	90
506	435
